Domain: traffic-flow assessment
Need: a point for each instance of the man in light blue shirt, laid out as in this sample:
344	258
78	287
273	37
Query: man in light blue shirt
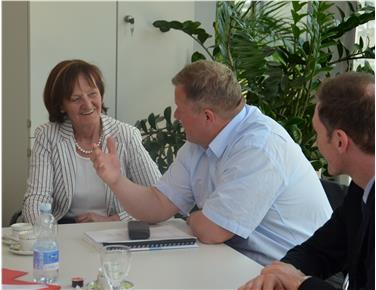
253	187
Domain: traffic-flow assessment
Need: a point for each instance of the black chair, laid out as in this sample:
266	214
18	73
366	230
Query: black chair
335	192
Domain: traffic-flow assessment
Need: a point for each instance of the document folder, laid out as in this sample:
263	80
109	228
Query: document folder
162	236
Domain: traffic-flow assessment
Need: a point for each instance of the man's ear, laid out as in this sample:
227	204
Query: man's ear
209	115
341	140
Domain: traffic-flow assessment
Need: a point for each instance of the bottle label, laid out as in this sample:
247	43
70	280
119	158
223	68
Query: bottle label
46	260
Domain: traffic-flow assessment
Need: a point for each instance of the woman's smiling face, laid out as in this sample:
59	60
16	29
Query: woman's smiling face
84	106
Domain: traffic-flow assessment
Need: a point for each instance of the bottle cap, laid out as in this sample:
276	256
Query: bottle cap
45	207
77	282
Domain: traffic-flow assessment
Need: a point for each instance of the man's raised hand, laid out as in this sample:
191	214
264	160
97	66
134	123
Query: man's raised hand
107	165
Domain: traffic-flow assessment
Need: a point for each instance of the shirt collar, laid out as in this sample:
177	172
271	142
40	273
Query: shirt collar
368	189
220	142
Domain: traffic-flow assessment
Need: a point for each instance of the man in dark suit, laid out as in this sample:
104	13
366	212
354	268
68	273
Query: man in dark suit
344	122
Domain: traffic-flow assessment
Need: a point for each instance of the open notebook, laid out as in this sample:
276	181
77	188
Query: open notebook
162	236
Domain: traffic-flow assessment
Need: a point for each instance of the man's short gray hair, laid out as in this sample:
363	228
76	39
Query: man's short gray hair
212	84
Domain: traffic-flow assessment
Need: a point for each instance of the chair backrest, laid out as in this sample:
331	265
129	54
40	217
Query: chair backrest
335	192
14	218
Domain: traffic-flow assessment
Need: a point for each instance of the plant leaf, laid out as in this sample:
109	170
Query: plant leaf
197	56
151	120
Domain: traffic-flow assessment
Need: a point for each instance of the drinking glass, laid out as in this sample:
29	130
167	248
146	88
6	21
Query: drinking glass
115	261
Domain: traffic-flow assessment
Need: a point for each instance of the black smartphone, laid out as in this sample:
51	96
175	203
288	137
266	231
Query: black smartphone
138	230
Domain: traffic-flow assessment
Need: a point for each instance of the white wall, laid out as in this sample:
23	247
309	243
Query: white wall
15	106
205	13
67	30
137	68
149	59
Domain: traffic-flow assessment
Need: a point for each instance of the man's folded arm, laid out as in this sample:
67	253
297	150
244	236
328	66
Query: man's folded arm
207	231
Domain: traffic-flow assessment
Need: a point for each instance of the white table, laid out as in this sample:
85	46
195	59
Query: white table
205	267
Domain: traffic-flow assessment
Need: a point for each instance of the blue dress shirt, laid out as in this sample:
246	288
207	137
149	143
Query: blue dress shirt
253	181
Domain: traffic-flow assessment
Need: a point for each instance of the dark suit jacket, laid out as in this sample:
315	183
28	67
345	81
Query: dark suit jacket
344	243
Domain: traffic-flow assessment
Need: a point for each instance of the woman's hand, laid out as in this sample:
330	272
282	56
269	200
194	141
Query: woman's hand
94	217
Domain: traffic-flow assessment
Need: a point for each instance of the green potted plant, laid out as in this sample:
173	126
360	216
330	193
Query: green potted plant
162	137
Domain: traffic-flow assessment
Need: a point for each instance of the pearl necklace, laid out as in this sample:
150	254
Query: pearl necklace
87	152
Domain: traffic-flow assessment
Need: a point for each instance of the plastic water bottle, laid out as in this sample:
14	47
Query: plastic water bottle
46	250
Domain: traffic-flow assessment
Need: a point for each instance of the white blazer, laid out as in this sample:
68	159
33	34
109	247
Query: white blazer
52	172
